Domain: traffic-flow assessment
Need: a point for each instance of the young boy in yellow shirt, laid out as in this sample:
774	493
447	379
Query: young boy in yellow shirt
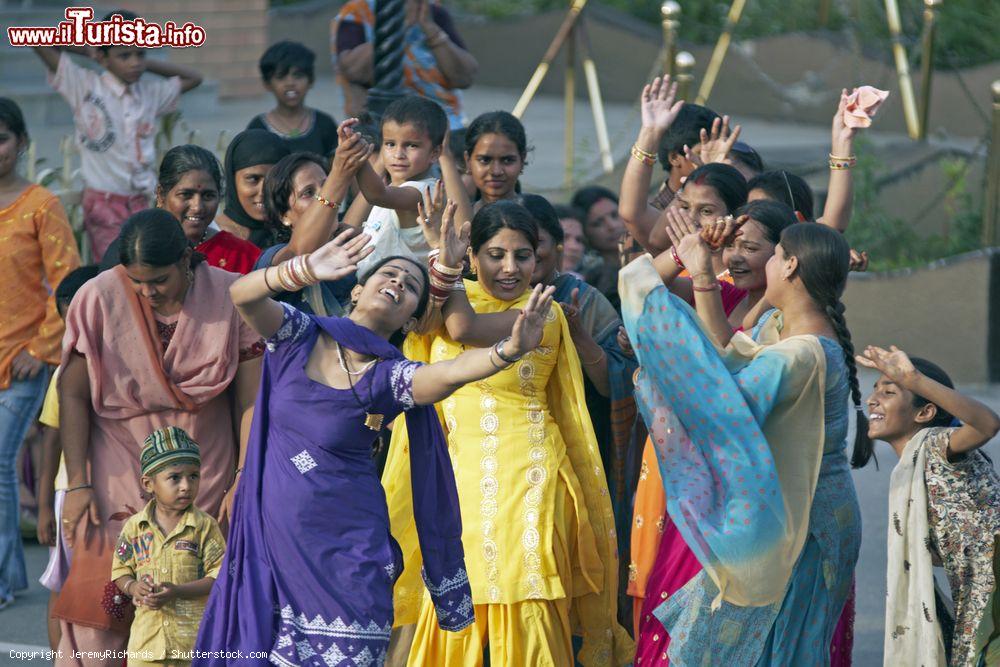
169	554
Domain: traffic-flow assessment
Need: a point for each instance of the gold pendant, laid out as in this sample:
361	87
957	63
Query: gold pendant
374	422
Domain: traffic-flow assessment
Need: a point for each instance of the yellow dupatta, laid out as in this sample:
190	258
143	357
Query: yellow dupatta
593	611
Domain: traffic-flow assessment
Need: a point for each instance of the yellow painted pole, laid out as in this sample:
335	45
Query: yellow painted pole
902	70
550	55
685	78
927	63
596	101
570	101
719	53
671	13
991	202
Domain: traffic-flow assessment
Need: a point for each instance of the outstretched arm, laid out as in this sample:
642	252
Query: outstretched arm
979	423
435	382
252	293
190	77
658	112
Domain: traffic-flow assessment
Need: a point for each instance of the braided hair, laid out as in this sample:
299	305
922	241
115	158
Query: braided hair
824	260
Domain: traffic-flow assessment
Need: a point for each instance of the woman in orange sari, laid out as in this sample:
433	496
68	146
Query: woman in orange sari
154	342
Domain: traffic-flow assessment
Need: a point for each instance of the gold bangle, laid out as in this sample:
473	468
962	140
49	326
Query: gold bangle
850	158
308	269
599	359
642	157
446	270
643	153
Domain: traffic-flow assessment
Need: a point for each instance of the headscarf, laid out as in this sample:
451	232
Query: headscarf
247	149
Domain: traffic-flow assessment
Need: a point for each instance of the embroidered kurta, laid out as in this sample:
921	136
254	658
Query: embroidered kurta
309	571
520	441
37	250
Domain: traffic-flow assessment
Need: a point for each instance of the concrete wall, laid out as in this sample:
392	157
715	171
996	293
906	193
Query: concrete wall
948	312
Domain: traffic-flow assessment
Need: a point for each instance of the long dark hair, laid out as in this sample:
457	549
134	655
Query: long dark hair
425	293
154	237
725	180
772	216
278	188
499	215
784	186
824	260
544	214
497	122
11	116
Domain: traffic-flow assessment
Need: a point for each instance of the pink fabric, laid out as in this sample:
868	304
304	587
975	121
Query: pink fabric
103	216
862	104
137	388
89	647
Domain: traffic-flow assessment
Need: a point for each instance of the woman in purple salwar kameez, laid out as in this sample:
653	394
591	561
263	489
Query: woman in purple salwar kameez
310	563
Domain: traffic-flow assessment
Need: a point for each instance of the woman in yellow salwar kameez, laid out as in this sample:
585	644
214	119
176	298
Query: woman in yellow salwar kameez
538	529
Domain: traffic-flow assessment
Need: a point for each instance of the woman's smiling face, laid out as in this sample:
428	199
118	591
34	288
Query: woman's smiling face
505	264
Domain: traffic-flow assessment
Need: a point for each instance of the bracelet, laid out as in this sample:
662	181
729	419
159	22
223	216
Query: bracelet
310	276
677	258
643	157
715	286
499	350
599	359
446	270
326	202
128	587
77	488
493	361
841	163
269	288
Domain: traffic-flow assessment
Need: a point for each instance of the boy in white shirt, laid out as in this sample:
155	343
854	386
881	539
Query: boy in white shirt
115	115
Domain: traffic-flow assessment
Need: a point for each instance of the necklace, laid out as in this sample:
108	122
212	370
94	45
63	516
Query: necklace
343	364
372	420
289	129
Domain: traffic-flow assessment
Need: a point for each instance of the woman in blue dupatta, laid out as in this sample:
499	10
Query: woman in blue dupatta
751	444
309	569
607	371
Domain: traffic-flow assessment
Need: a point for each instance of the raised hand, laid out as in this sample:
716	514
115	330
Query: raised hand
693	251
429	213
529	327
892	363
723	231
352	150
455	237
715	144
339	258
842	140
659	110
859	260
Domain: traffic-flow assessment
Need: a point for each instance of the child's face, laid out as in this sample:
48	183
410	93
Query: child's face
250	190
290	90
407	151
174	487
891	413
10	145
125	62
495	165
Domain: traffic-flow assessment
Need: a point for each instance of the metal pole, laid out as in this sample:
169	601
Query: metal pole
719	54
902	70
991	202
685	78
550	55
596	102
570	101
671	12
390	16
927	63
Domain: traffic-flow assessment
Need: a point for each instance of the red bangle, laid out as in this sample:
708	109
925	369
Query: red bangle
677	259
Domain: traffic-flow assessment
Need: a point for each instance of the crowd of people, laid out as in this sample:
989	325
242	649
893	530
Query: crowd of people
353	397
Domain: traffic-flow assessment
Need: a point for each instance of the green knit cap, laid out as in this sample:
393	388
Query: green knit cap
167	446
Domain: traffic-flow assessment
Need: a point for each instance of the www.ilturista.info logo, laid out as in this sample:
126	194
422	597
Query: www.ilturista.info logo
80	30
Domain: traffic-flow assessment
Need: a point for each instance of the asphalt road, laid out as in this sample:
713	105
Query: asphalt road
23	625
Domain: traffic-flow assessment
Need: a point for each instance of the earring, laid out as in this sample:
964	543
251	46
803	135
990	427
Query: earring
285	222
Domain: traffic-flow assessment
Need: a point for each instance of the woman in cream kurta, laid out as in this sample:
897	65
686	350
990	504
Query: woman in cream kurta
538	529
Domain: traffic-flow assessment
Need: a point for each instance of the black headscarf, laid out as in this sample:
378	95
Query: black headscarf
247	149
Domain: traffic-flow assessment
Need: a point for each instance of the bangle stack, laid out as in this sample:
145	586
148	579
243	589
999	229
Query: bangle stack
326	202
443	279
294	274
841	163
645	157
